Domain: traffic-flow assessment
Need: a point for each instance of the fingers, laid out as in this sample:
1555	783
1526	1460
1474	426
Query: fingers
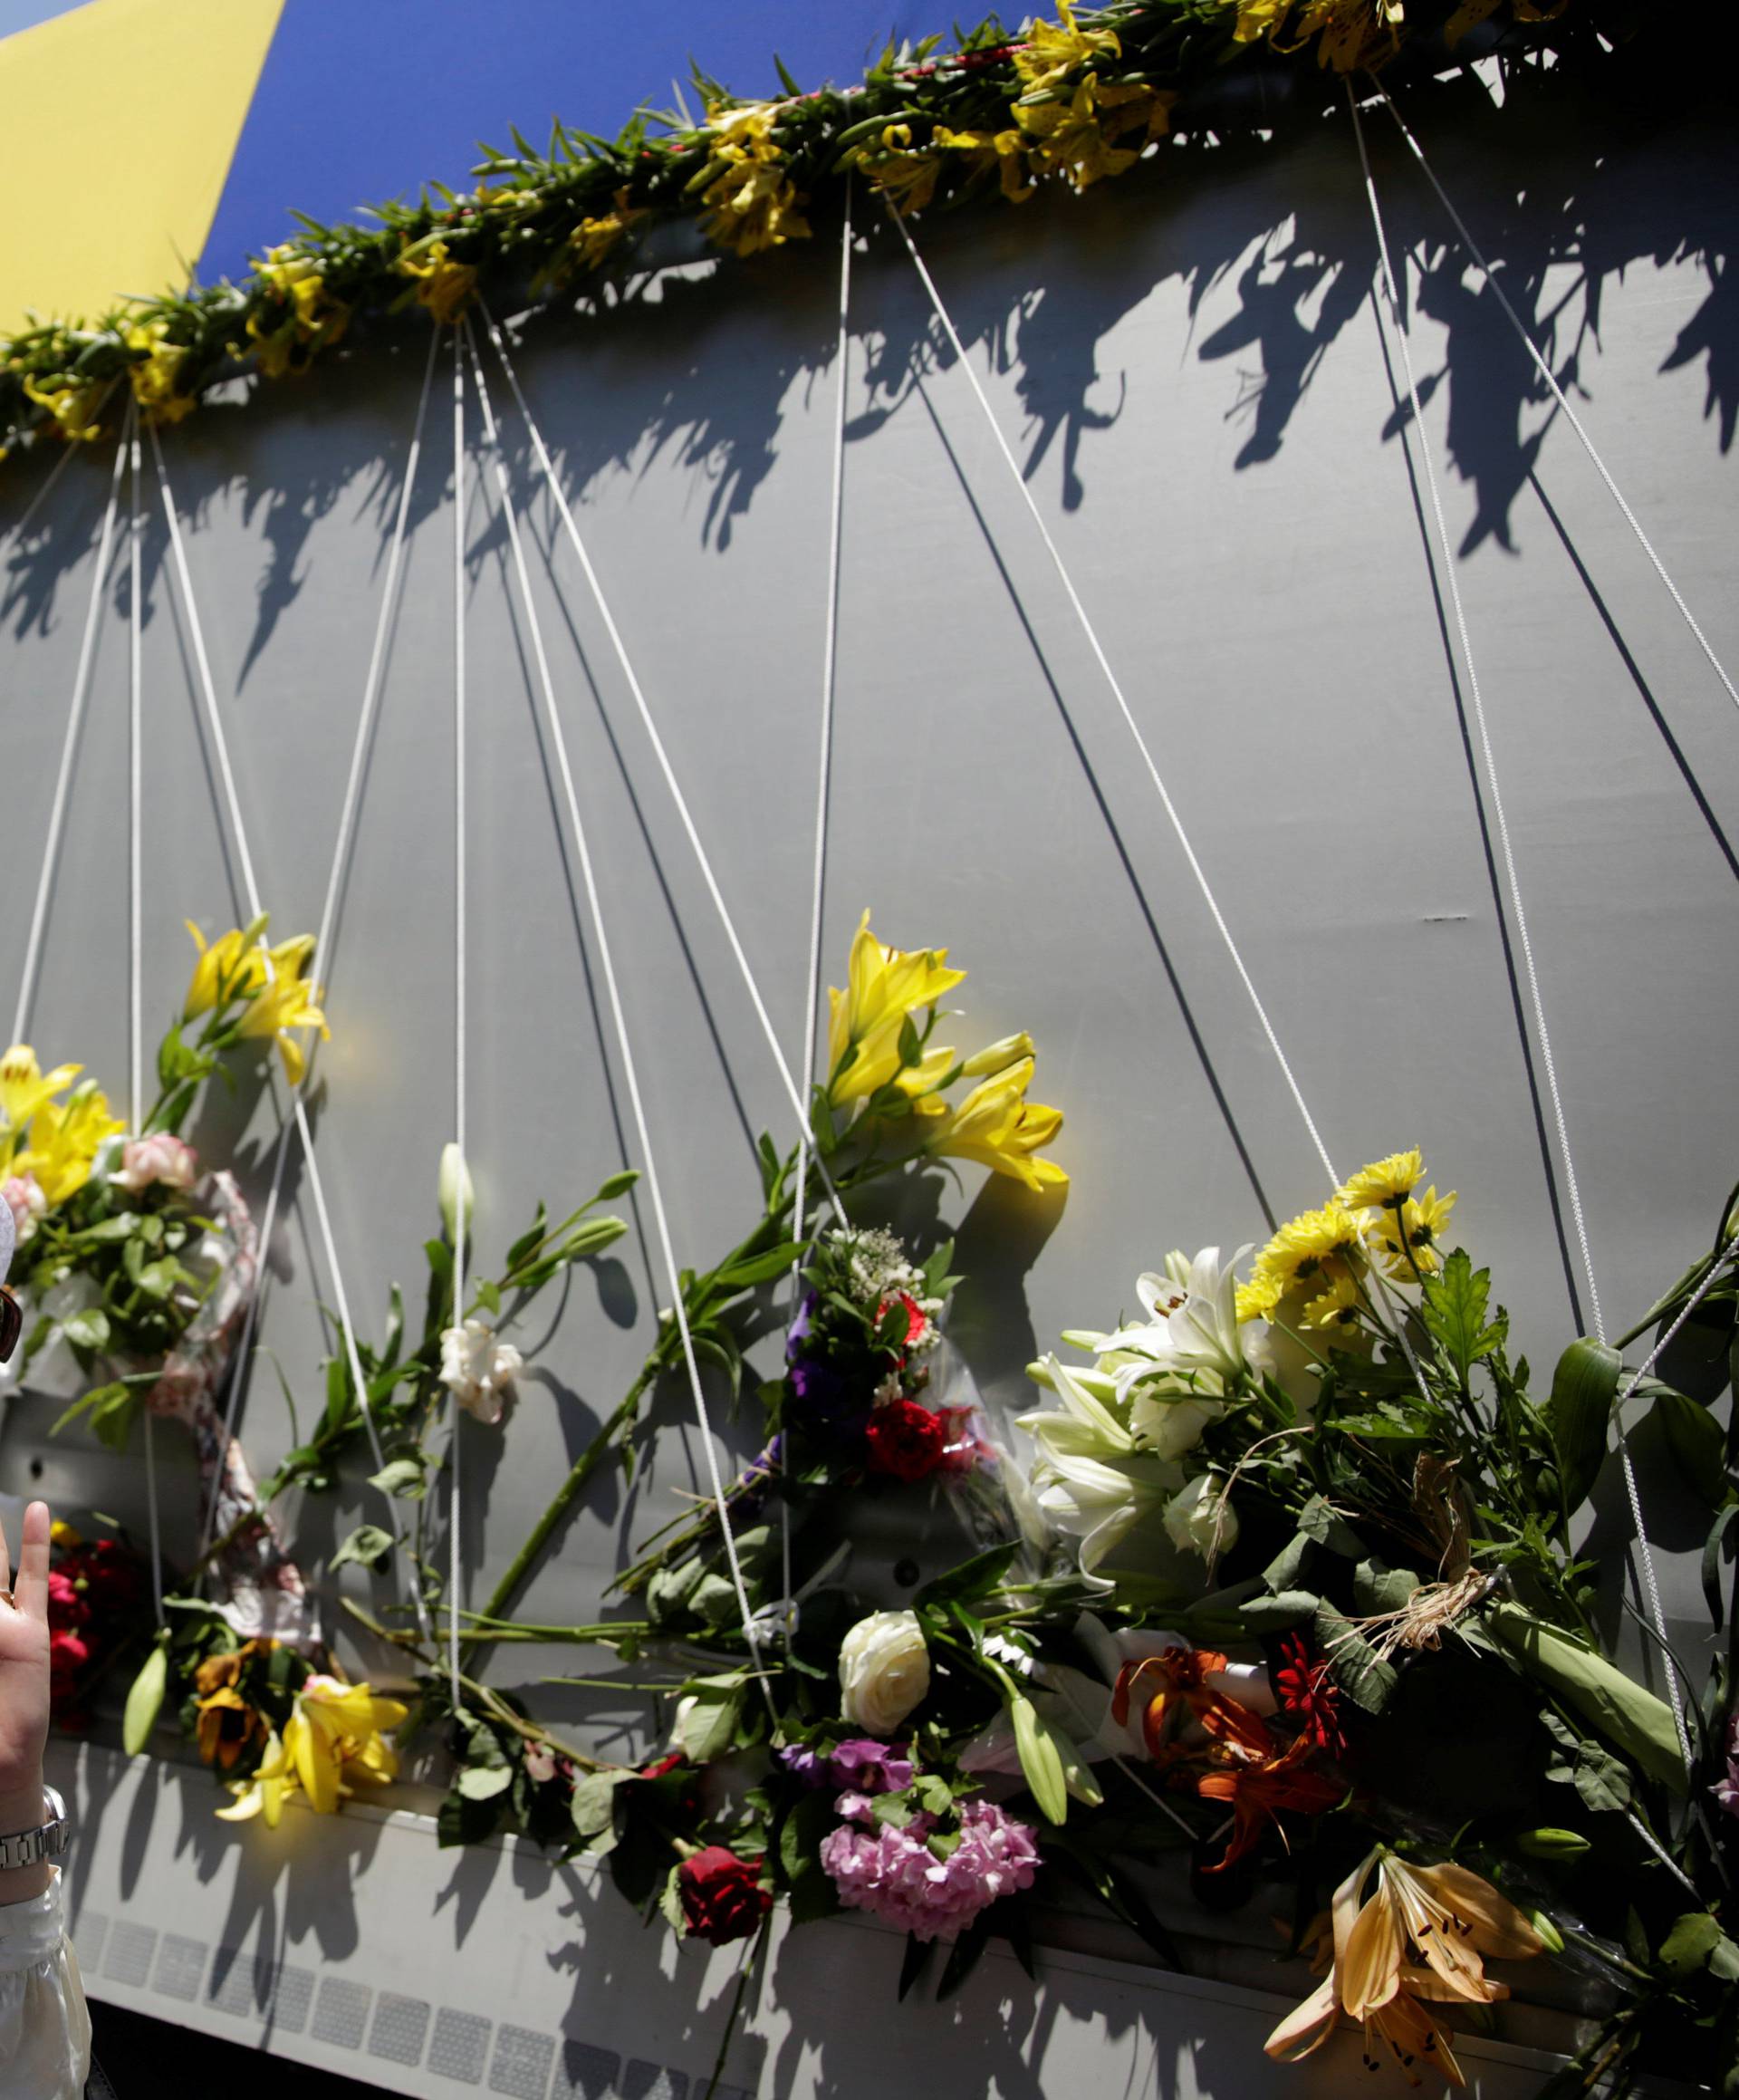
29	1592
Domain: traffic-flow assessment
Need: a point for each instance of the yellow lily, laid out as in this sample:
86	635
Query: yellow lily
907	178
73	408
273	1784
286	1001
1006	150
884	985
1002	1129
64	1138
1068	140
443	285
751	204
334	1740
24	1088
594	240
233	967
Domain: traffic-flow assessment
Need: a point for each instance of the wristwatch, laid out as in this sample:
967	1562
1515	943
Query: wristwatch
48	1841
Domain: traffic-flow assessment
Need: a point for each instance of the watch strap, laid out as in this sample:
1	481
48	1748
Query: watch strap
49	1840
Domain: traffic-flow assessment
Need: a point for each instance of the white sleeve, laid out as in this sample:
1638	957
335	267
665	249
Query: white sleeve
45	2026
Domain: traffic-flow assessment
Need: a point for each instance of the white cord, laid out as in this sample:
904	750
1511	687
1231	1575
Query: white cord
1546	373
134	914
238	829
625	1050
1501	822
329	909
50	480
1103	661
69	748
461	1222
799	1104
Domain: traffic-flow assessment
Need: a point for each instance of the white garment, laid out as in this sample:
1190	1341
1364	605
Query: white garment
45	2026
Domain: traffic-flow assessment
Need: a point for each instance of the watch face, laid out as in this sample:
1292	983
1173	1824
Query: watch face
12	1321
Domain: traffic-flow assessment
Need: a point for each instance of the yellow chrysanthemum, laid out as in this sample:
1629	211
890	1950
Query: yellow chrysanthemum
1338	1306
1258	1298
1418	1227
1385	1184
1303	1247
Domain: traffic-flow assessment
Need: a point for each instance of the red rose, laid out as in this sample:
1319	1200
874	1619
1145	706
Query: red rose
722	1896
664	1765
906	1440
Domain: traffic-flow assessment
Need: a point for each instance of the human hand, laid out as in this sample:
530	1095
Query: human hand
23	1675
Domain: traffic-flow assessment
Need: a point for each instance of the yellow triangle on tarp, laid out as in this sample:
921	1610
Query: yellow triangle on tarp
118	124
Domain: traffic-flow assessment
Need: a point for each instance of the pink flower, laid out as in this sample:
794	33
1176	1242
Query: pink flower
1726	1791
27	1202
894	1875
540	1765
158	1158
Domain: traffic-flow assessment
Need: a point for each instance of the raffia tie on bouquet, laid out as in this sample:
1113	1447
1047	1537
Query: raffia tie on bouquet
1432	1608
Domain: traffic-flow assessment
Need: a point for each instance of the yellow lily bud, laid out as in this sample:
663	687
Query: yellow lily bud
998	1057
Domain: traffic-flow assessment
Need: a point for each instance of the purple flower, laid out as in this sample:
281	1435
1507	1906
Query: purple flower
876	1767
805	1767
894	1875
1726	1791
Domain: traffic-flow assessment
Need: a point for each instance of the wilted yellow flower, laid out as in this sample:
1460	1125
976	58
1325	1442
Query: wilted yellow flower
73	409
866	1020
593	240
1053	50
751	204
1004	151
64	1138
153	378
997	1126
443	285
273	1784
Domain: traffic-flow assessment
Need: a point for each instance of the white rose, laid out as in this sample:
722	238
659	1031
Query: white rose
1202	1519
884	1672
158	1158
478	1370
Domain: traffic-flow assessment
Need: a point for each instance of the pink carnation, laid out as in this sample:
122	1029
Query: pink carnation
894	1875
158	1158
23	1196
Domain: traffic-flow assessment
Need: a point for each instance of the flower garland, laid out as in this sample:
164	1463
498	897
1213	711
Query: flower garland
1067	103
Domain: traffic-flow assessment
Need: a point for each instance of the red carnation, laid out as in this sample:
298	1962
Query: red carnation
722	1896
663	1765
906	1440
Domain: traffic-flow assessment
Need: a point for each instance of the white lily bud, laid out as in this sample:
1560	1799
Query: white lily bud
456	1198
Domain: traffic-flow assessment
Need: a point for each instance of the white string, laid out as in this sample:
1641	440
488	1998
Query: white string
1546	373
618	1019
798	1103
1536	999
238	829
68	748
461	1222
42	495
1110	677
135	907
823	769
1534	994
329	909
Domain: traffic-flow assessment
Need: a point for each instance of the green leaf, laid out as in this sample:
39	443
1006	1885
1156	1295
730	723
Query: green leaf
1634	1719
1454	1308
1353	1664
1275	1615
1602	1780
762	1268
670	1902
145	1700
707	1721
489	1298
1583	1388
1376	1587
406	1476
1696	1441
483	1782
1288	1565
1693	1939
1711	1568
973	1578
368	1547
593	1803
1317	1520
88	1330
